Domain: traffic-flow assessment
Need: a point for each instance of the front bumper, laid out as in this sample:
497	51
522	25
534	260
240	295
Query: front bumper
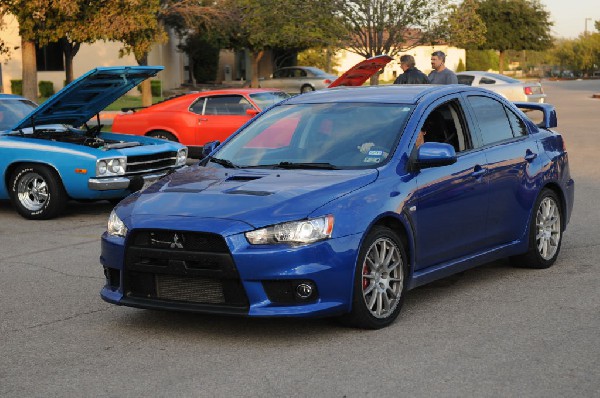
329	265
133	182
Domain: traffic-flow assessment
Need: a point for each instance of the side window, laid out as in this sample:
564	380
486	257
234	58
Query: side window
446	124
485	80
465	79
517	124
227	105
492	118
197	106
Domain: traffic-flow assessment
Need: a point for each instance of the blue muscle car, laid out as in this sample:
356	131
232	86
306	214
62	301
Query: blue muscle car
54	153
338	202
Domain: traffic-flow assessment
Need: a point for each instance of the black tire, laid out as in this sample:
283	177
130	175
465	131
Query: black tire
307	88
371	281
545	233
163	135
37	192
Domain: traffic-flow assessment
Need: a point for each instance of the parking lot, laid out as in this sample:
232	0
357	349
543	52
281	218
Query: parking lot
491	331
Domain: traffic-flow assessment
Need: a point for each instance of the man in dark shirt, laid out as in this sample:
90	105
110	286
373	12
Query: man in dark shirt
411	74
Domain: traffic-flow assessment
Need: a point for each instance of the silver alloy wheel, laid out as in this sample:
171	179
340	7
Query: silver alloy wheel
32	191
548	223
382	278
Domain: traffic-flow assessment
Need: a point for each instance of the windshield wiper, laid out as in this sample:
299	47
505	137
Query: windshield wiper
321	165
224	163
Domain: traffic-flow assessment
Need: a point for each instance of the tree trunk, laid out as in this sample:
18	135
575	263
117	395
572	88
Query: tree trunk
501	62
29	66
256	57
146	85
69	51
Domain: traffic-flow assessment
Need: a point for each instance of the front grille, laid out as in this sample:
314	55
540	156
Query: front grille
183	267
148	163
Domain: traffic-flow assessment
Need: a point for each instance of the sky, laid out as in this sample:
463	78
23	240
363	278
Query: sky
569	16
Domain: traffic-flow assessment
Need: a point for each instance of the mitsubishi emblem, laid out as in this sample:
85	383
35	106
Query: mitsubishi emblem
177	242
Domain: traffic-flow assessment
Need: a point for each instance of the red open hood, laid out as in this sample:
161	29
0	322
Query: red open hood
362	71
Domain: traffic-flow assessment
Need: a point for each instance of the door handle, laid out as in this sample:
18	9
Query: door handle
478	171
200	120
529	156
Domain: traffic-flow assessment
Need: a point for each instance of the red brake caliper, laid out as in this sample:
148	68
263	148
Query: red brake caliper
365	271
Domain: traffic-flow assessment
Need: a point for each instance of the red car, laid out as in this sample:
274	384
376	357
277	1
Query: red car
200	117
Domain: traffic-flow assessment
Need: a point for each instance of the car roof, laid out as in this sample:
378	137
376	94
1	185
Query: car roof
498	76
11	96
393	93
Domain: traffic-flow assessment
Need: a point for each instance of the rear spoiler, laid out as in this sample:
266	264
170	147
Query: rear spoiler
550	120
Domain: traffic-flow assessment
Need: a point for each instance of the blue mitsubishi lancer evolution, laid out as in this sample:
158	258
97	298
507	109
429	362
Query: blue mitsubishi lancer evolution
338	202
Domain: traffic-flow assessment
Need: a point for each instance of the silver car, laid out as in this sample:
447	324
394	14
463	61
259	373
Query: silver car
511	89
299	79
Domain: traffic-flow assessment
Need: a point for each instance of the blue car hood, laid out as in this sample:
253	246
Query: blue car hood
255	197
86	96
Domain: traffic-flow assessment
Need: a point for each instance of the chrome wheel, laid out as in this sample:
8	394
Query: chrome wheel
32	191
548	226
382	277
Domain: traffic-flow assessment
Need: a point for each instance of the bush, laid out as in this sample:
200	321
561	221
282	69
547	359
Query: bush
16	87
46	88
155	87
461	66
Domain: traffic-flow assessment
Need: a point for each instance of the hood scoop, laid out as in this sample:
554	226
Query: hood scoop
244	178
248	192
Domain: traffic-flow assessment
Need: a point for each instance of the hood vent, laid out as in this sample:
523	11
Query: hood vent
244	178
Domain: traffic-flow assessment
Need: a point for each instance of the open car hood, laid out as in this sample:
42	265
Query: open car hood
86	96
362	71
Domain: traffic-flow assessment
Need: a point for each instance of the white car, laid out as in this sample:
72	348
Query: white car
299	79
511	89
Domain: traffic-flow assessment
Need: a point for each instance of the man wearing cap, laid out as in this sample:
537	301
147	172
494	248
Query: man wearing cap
411	74
440	74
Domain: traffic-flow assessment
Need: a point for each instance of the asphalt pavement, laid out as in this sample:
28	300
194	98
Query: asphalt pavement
494	331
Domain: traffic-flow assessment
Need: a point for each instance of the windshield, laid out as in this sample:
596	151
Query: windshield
329	136
14	110
266	99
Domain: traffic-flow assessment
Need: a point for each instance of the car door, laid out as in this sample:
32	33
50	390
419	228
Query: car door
512	162
220	116
451	201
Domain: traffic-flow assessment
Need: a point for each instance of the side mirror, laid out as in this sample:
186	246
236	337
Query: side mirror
433	154
209	147
252	112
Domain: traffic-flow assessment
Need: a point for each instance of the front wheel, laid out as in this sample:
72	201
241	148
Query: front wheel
163	135
379	282
37	192
545	233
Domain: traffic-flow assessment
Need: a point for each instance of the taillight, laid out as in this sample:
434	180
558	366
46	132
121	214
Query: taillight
327	81
527	90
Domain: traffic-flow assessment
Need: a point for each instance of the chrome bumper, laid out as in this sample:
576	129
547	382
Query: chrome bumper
134	182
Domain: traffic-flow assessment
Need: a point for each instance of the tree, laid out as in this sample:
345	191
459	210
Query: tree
258	25
482	60
514	25
465	28
376	27
322	58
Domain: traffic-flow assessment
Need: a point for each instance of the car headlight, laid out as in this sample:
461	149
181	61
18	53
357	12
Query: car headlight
181	157
115	226
295	232
111	167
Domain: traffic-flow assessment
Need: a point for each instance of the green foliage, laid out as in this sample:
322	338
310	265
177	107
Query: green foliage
482	60
466	28
581	55
321	58
46	88
515	25
203	51
375	27
16	87
461	66
155	87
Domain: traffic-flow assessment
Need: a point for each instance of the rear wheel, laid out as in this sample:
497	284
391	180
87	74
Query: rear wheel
37	192
164	135
545	233
307	89
379	282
